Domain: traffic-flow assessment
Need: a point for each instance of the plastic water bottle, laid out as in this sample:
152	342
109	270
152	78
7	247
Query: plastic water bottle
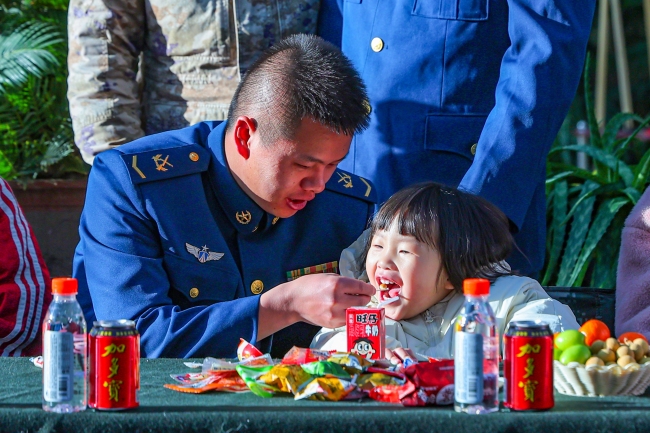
64	351
476	352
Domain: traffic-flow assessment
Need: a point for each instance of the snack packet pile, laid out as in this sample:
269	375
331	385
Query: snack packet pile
320	375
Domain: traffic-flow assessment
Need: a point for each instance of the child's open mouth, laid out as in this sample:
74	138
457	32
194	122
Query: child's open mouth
388	291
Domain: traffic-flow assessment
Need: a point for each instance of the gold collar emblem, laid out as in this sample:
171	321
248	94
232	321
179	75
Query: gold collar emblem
160	162
243	217
345	178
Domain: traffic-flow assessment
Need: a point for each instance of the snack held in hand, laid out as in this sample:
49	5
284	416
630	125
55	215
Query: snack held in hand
366	332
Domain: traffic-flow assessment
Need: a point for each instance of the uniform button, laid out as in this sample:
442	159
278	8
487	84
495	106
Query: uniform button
367	106
377	45
473	148
194	156
257	286
194	292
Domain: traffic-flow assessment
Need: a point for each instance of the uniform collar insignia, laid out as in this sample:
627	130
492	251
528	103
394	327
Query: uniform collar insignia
203	254
244	214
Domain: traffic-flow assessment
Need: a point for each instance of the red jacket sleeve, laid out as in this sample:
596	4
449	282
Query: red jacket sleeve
25	291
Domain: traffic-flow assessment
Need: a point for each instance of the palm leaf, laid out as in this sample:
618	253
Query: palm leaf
6	167
23	53
572	170
604	189
560	204
577	233
604	216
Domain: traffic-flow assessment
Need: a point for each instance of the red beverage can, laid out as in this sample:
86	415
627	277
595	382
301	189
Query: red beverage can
366	332
528	366
114	371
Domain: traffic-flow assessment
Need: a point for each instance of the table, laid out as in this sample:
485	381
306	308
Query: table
163	410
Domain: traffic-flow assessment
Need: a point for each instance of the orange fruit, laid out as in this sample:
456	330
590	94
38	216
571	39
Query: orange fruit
594	329
631	336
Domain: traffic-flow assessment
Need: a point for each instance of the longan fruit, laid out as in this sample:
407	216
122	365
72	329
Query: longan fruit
612	343
594	360
597	346
625	360
644	360
623	351
644	344
606	355
637	350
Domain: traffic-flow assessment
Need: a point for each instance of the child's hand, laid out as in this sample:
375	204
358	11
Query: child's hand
401	357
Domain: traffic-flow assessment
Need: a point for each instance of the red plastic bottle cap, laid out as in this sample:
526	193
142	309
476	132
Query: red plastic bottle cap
64	286
476	287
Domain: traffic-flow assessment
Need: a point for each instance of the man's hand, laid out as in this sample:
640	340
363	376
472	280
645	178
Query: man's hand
320	299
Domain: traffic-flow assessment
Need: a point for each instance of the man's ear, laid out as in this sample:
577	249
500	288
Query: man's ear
243	129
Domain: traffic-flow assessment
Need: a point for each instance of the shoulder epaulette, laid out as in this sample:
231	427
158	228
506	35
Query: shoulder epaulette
350	184
166	163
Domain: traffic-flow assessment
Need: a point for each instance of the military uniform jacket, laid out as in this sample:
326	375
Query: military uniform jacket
168	239
144	66
467	93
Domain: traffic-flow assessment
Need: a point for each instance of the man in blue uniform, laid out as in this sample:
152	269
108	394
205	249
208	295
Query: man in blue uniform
199	234
466	93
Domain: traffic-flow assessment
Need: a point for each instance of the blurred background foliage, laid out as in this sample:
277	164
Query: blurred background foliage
36	139
587	206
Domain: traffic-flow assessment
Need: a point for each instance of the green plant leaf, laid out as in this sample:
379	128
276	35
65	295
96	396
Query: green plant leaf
607	251
610	134
604	216
23	53
624	143
559	209
577	233
616	165
604	189
7	171
570	170
641	172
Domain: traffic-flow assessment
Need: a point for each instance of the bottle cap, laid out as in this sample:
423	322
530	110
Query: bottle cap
64	286
476	287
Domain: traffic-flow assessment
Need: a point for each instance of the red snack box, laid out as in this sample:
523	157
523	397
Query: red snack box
366	332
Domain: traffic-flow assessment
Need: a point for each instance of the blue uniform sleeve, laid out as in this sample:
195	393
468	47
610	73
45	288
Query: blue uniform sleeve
539	75
123	266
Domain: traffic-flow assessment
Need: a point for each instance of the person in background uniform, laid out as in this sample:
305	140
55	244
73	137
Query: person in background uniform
470	94
146	66
203	235
633	273
25	287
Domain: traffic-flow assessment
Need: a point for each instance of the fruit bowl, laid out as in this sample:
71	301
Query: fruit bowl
593	380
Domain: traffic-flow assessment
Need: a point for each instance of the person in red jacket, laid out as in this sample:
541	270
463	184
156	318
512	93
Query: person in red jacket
25	287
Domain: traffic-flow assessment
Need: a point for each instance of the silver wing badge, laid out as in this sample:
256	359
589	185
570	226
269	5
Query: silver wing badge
202	254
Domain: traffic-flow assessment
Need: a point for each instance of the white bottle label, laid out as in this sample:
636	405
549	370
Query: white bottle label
58	365
468	368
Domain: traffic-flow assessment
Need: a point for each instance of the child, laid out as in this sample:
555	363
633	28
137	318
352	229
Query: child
424	241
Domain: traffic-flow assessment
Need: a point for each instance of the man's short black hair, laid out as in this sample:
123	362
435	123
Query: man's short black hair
303	76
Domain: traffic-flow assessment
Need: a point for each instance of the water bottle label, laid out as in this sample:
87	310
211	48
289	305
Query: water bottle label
468	368
58	364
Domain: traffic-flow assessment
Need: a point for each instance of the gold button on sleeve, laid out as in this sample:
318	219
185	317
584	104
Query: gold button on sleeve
377	44
257	286
194	156
473	148
194	292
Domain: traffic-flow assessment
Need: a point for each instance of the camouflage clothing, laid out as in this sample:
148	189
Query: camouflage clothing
145	66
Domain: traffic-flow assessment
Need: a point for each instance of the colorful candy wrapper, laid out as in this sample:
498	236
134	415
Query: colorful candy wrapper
37	361
427	384
266	381
352	362
326	388
366	382
299	355
214	364
246	350
326	369
201	382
